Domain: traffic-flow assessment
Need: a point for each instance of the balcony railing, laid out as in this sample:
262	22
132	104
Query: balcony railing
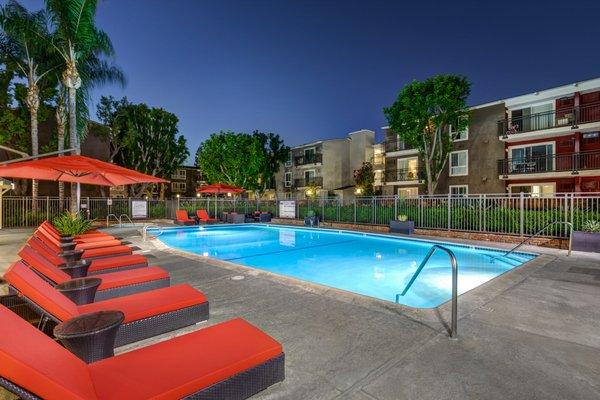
308	159
316	181
572	117
395	145
400	175
573	162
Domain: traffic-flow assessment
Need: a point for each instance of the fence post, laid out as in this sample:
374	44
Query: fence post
449	211
572	212
373	211
323	200
338	209
395	206
355	210
47	208
522	213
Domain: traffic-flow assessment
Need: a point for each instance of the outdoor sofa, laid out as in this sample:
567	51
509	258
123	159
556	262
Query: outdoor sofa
230	360
147	314
113	284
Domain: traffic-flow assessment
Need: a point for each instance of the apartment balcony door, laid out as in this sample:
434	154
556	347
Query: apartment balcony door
533	118
533	158
407	169
309	176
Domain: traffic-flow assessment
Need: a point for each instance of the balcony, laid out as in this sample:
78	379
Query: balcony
308	159
315	181
403	175
562	164
568	118
395	145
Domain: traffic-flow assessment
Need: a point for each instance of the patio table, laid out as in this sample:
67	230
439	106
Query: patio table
80	290
91	336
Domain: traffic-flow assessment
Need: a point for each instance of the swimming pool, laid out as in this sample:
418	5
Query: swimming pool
379	266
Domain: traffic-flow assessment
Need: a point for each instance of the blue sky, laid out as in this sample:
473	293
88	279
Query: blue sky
320	69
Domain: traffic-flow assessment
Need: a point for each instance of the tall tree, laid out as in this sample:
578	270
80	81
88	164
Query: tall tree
25	41
151	142
422	114
240	159
364	177
107	112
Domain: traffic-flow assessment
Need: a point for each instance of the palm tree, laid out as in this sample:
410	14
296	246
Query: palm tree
25	37
84	49
60	114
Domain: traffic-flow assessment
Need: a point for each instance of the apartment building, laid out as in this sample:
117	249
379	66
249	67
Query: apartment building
551	140
184	182
326	166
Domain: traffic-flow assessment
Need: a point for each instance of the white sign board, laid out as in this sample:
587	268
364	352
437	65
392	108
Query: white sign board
287	209
109	202
139	209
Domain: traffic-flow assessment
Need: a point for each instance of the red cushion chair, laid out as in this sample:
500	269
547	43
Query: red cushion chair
86	237
204	217
146	314
182	218
80	245
88	234
232	359
98	265
114	284
99	252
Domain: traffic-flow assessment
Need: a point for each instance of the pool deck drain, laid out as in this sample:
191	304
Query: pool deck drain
534	333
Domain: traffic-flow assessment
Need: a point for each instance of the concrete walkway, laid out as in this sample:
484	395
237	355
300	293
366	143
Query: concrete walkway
529	334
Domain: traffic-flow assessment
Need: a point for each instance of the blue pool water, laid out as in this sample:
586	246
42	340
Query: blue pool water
373	265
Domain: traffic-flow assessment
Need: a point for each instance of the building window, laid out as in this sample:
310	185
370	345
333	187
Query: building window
459	163
288	163
407	169
459	136
178	187
534	190
179	173
287	179
309	176
459	190
310	155
591	137
532	158
408	192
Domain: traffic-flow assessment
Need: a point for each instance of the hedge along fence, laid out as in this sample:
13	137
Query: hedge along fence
502	214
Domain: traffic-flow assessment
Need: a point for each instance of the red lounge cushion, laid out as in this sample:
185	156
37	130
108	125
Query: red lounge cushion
109	263
106	251
41	248
95	245
113	280
93	239
182	215
37	261
184	365
30	359
148	304
30	285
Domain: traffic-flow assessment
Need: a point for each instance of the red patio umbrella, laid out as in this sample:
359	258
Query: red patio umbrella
218	188
76	169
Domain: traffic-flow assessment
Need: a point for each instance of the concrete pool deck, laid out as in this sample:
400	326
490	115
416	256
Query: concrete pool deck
533	333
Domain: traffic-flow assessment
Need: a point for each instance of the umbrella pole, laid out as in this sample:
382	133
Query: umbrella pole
78	198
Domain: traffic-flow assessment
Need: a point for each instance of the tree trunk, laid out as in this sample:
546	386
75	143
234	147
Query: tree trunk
33	103
72	81
430	184
60	127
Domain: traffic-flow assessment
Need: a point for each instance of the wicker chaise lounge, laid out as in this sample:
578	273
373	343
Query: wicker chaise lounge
147	314
97	266
114	284
231	360
182	218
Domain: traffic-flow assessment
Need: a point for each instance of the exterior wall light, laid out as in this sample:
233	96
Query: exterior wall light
177	195
228	194
197	194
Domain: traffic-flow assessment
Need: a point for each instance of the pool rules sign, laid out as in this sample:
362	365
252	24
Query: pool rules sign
287	209
139	209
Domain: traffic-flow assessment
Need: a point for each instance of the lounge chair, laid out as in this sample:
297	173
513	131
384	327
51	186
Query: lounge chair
230	360
147	314
98	252
76	244
236	218
204	217
97	266
114	284
182	218
92	236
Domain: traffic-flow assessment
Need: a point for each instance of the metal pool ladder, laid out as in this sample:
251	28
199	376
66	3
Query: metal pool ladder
569	224
454	264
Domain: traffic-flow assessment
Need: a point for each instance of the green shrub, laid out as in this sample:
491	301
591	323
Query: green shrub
591	226
72	224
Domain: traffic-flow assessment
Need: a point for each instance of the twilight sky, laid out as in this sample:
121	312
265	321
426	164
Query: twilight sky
313	70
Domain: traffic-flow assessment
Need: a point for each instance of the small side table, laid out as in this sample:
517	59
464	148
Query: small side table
77	269
80	290
71	255
90	337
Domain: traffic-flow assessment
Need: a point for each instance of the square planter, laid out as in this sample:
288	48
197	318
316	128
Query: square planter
586	241
404	227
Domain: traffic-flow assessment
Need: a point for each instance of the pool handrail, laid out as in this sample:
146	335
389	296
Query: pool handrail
569	224
454	264
108	219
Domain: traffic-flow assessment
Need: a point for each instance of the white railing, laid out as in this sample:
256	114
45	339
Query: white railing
519	214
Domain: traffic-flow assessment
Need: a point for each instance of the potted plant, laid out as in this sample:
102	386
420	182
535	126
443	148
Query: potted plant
311	218
588	239
402	225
